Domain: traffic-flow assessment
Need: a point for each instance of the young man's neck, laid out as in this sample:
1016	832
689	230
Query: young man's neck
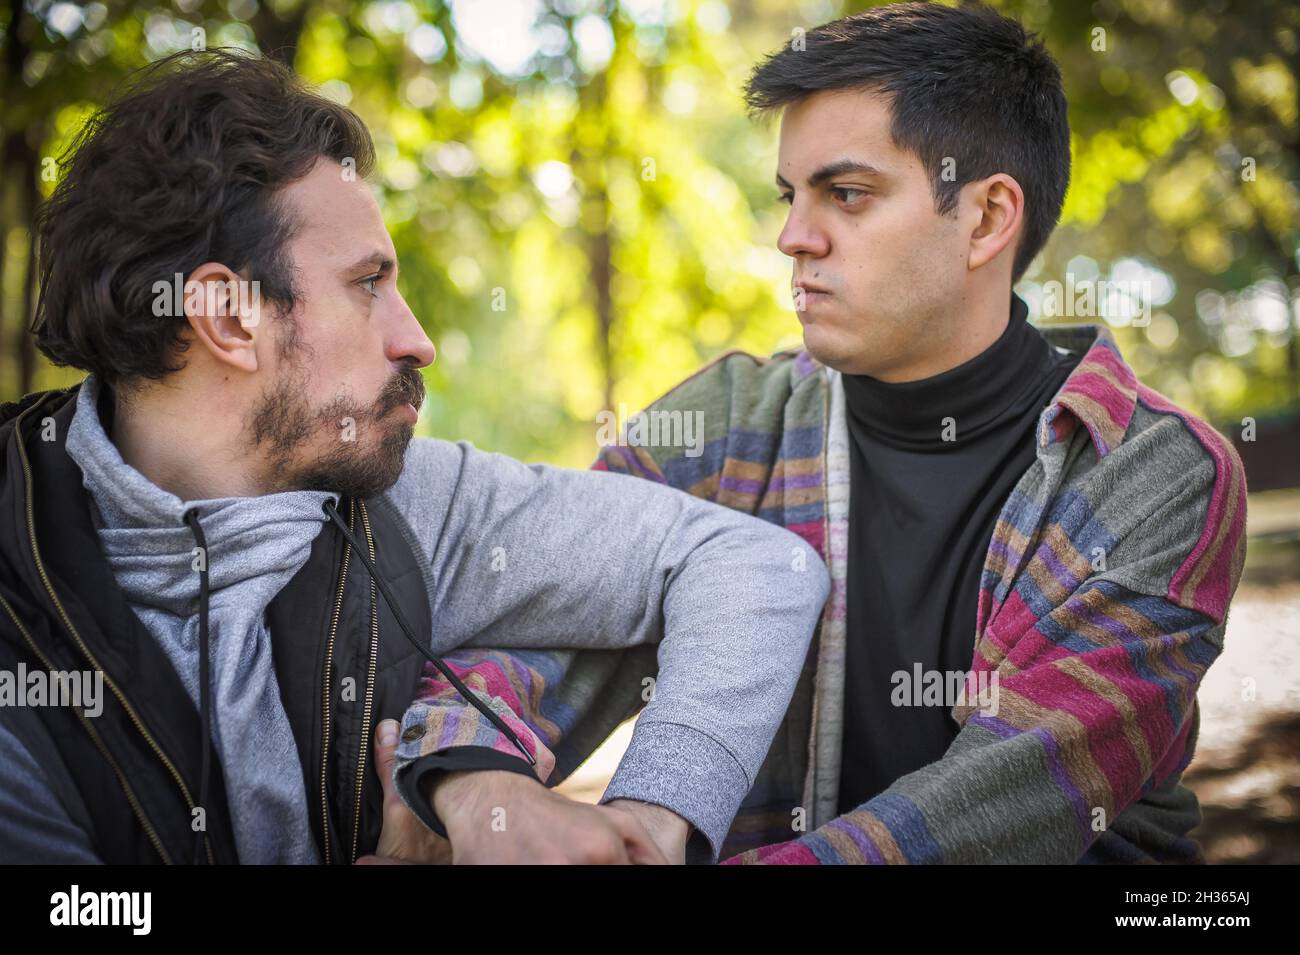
184	444
975	324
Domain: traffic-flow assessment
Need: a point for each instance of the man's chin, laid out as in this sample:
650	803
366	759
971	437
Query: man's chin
827	348
357	471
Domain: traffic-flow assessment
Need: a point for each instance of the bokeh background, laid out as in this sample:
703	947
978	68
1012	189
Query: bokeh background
584	214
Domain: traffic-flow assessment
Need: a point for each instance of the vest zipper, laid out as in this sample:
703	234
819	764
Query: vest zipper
67	623
99	744
366	712
328	690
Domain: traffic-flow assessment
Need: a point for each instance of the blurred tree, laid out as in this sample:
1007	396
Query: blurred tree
1187	167
584	213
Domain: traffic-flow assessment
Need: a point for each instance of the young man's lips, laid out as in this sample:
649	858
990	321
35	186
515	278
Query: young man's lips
809	296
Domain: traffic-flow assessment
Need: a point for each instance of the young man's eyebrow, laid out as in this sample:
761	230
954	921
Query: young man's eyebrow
840	168
831	170
375	260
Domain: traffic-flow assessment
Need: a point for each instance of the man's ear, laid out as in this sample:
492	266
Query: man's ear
998	208
222	308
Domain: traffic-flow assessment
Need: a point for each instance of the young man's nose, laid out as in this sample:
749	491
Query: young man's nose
409	342
802	237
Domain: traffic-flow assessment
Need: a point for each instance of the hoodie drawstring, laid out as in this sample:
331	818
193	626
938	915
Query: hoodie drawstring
471	697
205	693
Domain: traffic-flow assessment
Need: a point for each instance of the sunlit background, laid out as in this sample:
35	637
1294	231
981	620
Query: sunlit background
584	214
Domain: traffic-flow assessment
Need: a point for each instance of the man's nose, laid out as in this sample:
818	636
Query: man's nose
801	236
410	343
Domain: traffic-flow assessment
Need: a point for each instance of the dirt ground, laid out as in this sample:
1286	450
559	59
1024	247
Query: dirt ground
1247	767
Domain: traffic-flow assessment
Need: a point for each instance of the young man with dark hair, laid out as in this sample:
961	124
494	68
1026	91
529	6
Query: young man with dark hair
229	526
1032	554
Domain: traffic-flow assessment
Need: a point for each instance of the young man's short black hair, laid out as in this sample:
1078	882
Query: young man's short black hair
964	83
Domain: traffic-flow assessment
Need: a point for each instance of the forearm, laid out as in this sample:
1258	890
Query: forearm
739	614
442	734
584	561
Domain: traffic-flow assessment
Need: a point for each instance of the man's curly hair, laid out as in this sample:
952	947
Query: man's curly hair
180	169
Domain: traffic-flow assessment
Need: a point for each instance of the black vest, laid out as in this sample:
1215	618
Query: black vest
340	658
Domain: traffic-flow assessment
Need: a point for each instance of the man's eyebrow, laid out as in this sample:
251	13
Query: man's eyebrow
831	170
841	167
375	260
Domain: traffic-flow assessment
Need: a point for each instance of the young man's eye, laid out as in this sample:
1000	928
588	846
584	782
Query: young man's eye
786	197
370	284
847	194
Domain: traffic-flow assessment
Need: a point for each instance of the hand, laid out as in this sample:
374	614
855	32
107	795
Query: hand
403	838
502	818
668	830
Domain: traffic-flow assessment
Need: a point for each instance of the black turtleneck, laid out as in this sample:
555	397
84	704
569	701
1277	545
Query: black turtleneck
921	516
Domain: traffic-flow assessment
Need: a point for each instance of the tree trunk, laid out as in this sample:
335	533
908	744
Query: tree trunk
589	167
277	37
16	187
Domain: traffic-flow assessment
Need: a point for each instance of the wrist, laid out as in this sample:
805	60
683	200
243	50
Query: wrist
460	796
658	820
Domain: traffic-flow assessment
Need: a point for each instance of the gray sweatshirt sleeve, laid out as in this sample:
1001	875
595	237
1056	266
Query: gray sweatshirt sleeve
533	556
36	826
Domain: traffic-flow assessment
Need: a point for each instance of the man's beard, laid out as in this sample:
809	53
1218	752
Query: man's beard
366	453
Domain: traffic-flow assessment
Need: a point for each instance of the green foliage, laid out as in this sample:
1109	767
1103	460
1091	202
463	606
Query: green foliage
584	214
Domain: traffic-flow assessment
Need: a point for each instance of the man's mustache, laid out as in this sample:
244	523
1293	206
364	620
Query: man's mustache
405	387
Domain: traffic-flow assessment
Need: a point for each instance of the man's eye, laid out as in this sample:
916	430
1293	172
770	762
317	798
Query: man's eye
786	197
847	194
370	282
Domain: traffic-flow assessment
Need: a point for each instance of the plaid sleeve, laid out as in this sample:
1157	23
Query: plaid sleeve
440	719
561	703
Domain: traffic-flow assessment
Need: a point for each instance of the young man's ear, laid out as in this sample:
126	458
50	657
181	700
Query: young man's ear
223	310
997	207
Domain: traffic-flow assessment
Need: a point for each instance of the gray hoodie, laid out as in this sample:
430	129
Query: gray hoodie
595	560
